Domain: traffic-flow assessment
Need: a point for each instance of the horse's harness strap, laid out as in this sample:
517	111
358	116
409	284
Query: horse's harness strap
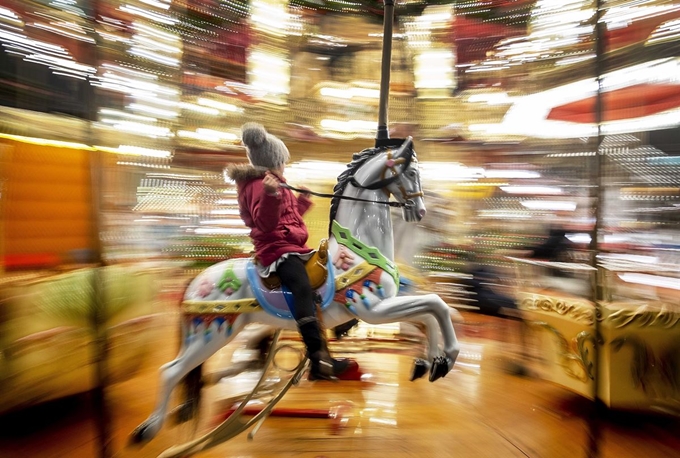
370	254
385	181
354	274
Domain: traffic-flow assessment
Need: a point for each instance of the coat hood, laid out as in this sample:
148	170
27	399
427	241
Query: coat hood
241	173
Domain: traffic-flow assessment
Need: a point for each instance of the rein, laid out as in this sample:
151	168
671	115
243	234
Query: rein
408	203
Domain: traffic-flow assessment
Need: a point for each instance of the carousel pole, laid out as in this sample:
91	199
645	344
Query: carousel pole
100	402
386	65
597	294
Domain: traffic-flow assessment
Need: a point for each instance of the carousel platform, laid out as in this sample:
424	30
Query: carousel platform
489	405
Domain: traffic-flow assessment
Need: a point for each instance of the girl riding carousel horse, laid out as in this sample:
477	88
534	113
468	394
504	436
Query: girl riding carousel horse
278	232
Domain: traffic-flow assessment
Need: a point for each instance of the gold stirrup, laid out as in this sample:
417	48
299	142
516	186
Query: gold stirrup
316	267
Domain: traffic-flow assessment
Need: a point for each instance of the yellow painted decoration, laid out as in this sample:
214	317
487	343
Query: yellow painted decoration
192	307
354	274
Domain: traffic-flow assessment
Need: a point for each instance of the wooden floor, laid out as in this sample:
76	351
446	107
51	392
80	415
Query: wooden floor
481	409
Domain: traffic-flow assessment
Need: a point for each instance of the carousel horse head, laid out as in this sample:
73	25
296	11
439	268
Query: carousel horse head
396	173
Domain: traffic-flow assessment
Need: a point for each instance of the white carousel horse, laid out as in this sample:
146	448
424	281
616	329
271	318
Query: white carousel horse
361	279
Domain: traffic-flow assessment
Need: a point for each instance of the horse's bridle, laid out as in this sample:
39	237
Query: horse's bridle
390	165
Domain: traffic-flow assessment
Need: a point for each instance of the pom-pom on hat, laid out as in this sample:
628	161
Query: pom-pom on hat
263	149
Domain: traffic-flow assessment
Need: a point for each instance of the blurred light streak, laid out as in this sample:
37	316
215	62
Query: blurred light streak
161	18
220	231
136	151
352	126
622	17
46	142
199	108
317	170
632	258
651	280
225	222
224	211
506	214
575	59
551	190
350	93
157	4
668	31
447	171
579	238
50	28
511	174
219	105
123	114
57	58
153	110
143	129
10	15
153	56
208	135
143	164
269	73
556	205
271	16
434	69
135	73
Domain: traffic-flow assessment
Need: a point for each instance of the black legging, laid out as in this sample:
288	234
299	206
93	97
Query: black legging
294	277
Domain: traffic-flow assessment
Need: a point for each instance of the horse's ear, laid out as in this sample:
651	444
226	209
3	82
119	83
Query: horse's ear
404	149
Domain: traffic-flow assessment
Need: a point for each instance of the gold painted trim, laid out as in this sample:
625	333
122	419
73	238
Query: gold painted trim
579	310
652	370
356	273
574	356
644	315
214	307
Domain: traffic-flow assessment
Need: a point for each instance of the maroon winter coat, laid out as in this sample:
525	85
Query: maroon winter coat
276	222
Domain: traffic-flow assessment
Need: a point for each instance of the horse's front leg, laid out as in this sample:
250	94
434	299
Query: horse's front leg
201	338
405	308
431	329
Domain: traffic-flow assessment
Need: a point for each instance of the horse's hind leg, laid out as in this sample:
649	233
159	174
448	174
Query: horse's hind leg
192	384
257	339
207	337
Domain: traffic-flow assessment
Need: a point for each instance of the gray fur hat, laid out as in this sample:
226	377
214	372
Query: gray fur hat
263	149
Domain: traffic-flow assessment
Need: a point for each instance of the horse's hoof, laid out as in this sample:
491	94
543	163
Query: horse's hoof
140	435
420	367
440	367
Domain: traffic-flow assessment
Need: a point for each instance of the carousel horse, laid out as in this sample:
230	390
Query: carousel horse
354	275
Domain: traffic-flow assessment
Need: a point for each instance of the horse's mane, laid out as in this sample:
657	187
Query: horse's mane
358	159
